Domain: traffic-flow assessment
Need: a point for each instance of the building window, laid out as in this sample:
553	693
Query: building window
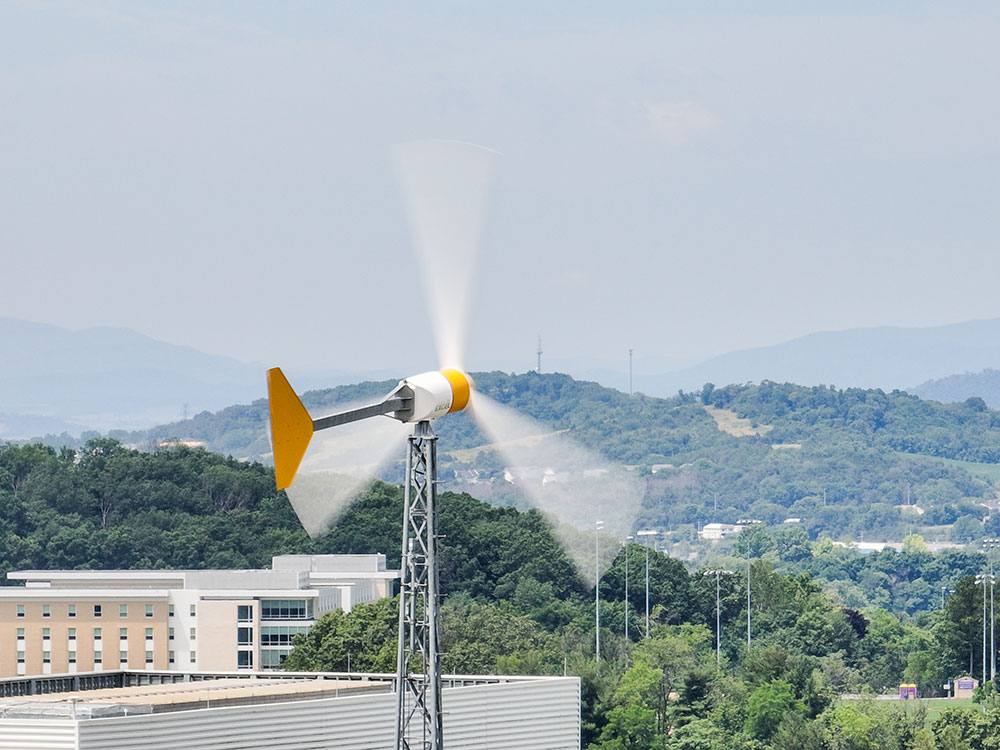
46	633
194	657
244	613
149	610
170	656
170	634
149	634
20	634
149	657
244	659
273	658
72	657
286	609
71	610
170	610
46	657
20	657
280	635
97	610
46	610
97	634
193	634
71	634
123	633
123	610
192	610
20	610
123	656
98	657
244	636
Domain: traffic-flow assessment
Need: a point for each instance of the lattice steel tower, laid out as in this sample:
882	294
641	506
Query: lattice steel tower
418	671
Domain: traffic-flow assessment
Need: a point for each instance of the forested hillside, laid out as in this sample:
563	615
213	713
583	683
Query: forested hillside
842	461
514	603
510	608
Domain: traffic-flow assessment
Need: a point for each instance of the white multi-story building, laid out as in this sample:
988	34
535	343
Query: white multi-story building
64	621
720	530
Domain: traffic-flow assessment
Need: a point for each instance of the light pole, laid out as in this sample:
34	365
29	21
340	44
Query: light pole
989	544
746	523
628	541
597	589
718	573
985	578
647	532
944	592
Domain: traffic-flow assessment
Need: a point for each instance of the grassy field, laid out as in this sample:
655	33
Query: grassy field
935	706
990	472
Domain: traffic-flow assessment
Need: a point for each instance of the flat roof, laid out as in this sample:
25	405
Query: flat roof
22	593
180	696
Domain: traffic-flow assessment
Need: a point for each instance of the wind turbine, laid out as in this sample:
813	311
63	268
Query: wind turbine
445	185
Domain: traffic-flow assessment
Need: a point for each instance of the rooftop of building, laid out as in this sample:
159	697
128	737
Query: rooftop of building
94	695
287	572
180	696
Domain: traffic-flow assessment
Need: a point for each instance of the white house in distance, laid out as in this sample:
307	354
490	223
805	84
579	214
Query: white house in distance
720	530
65	621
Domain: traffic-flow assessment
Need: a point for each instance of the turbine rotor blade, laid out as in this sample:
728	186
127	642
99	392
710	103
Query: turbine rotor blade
571	484
337	467
445	185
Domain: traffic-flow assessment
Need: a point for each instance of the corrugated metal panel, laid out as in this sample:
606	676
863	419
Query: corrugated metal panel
363	722
544	714
533	715
33	734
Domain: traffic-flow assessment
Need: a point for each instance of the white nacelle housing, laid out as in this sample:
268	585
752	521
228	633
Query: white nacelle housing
435	393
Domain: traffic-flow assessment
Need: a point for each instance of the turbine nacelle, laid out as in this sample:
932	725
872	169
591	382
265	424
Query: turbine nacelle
418	398
432	395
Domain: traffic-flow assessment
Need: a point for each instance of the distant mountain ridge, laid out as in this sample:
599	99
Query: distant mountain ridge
985	385
102	379
56	380
884	357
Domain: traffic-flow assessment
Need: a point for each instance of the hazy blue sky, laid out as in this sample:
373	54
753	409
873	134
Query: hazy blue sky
685	182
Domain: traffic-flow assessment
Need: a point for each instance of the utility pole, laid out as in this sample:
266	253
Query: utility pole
718	573
628	541
985	578
990	544
748	522
647	533
597	589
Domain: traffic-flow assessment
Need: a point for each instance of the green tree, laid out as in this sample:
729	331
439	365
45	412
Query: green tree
768	706
754	541
362	640
630	728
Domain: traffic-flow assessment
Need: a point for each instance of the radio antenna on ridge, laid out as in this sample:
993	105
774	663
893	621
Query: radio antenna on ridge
539	368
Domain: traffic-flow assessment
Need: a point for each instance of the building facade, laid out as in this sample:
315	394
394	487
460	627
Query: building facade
68	621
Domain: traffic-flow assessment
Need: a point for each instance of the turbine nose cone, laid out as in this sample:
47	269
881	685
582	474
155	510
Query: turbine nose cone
461	388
